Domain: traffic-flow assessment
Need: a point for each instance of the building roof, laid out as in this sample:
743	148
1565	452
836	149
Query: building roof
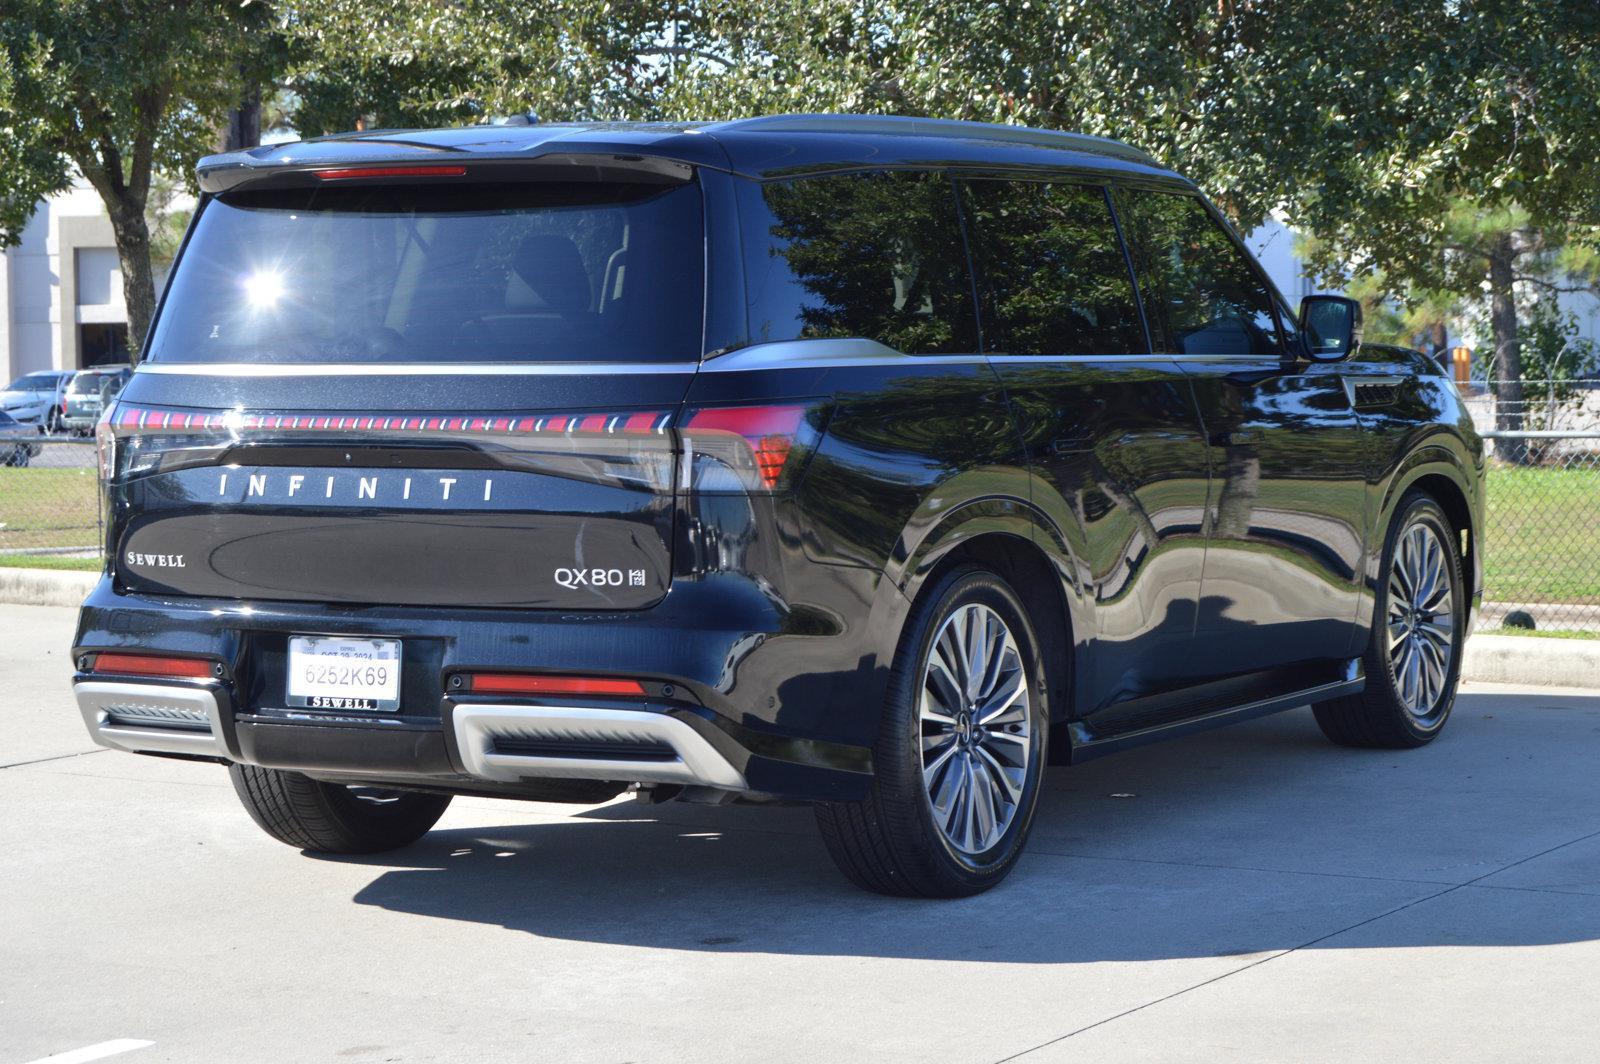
770	146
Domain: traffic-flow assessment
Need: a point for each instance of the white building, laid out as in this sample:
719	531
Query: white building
61	303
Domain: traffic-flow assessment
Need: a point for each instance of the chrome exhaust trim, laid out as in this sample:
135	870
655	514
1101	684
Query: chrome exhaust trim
692	760
152	718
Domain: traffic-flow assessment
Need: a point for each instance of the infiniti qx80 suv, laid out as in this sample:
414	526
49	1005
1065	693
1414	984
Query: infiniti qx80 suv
871	463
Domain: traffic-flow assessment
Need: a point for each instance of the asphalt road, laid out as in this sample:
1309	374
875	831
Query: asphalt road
1250	895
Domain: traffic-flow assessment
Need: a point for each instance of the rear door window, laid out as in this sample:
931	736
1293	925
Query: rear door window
1051	270
1201	295
876	255
534	271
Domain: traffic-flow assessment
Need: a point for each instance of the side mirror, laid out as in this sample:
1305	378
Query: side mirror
1332	327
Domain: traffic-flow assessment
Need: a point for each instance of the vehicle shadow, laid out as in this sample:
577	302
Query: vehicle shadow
1259	838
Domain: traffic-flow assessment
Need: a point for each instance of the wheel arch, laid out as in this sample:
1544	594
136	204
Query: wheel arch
1013	554
1450	482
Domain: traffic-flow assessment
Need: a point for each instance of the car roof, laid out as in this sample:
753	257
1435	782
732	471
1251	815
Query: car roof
765	147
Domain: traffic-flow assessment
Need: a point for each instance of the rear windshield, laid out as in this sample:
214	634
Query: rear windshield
90	383
527	272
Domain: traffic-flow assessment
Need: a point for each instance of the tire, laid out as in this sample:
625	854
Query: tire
1402	708
330	818
892	842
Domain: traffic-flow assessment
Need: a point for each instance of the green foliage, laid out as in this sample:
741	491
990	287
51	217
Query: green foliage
117	90
1555	353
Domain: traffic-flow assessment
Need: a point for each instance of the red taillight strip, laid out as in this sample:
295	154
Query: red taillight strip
150	665
151	419
516	683
390	171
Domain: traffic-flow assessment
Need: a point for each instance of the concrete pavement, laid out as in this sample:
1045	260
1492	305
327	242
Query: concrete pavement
1255	894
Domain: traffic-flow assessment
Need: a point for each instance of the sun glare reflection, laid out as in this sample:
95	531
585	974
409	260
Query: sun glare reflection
264	288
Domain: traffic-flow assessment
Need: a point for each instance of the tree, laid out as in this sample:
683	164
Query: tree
1489	178
117	92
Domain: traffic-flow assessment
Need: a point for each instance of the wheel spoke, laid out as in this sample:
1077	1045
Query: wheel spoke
985	816
1010	692
1002	776
942	695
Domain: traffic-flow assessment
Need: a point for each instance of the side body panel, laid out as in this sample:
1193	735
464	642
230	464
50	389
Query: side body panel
1286	521
1120	476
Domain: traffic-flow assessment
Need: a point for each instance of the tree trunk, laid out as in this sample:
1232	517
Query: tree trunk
243	127
1508	415
138	283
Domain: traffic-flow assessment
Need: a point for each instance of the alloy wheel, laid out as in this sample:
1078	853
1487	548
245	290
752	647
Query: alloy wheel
1421	619
976	728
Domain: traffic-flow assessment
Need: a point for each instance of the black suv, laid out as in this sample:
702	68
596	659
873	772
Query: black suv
864	462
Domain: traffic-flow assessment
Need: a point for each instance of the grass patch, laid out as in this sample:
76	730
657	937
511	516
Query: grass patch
1542	633
48	508
49	561
1542	535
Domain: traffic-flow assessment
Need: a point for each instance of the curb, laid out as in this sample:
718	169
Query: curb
1532	660
45	587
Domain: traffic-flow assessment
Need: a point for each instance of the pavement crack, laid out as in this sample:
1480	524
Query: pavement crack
57	757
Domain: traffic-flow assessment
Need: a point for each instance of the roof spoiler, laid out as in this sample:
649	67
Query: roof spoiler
403	164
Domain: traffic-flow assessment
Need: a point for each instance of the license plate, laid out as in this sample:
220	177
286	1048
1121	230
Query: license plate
337	672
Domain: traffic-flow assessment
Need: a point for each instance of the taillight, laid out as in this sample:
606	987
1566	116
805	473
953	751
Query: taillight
747	448
118	664
626	448
516	683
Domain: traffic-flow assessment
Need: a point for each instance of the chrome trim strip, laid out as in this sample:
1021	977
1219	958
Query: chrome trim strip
824	354
408	369
97	699
478	726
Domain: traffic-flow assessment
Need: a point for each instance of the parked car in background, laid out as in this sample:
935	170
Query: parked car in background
34	399
87	394
860	461
16	445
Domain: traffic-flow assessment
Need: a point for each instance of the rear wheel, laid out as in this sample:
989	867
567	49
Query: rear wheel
960	752
333	818
1413	661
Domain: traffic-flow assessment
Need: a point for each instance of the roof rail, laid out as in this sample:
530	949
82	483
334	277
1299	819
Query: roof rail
936	127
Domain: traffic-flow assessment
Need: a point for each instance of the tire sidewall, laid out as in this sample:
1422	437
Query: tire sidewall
1419	508
963	588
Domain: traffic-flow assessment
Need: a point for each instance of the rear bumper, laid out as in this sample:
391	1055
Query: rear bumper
726	705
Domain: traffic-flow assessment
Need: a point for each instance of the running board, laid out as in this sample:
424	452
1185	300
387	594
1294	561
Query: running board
1086	748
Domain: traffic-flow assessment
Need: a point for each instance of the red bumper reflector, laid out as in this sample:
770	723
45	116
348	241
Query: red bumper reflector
391	171
151	665
512	683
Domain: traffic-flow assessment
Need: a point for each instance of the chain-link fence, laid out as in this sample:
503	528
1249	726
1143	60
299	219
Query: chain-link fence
1541	545
49	502
1541	541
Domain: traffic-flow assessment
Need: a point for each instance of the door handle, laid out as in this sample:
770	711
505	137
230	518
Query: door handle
1069	444
1236	439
